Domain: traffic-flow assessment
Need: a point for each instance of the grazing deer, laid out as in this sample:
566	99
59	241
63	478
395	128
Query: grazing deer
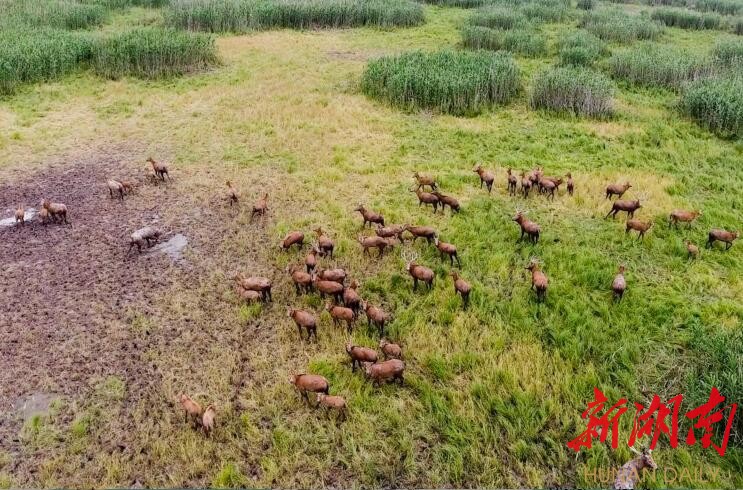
629	474
683	216
617	190
232	194
727	237
448	249
324	243
260	207
692	249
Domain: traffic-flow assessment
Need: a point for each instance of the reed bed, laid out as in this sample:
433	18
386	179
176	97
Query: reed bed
459	83
573	90
54	14
687	19
654	65
724	7
581	48
617	26
716	104
526	42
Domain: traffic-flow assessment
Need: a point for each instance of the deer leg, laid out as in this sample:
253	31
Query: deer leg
459	262
415	284
728	245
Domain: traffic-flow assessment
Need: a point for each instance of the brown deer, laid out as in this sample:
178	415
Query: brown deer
390	350
421	232
302	280
331	288
539	280
426	198
207	420
448	249
332	402
57	211
292	238
462	287
418	272
617	190
375	316
115	187
683	216
337	275
619	285
260	207
148	235
377	242
20	216
257	283
525	184
324	243
640	226
424	180
445	201
341	314
629	474
547	186
392	369
191	408
570	183
232	194
305	383
304	320
161	169
512	180
360	354
486	177
370	216
391	231
727	237
311	260
528	228
628	207
351	298
692	250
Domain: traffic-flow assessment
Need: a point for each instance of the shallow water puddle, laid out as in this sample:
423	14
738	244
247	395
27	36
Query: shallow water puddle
173	247
28	216
35	404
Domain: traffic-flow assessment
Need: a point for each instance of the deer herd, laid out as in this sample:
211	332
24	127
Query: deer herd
346	304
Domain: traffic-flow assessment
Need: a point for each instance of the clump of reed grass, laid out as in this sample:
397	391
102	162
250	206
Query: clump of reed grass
581	48
55	14
687	19
244	15
574	90
615	25
724	7
586	4
526	42
459	3
122	4
729	54
546	11
34	55
459	83
153	52
498	18
716	104
737	26
654	65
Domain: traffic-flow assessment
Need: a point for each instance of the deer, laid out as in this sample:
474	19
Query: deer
305	383
377	242
629	474
727	237
693	250
331	288
57	211
390	350
426	198
351	298
302	280
424	180
421	232
304	320
292	238
539	280
311	260
375	316
360	354
261	284
161	169
260	207
341	314
640	226
147	235
207	420
525	184
512	180
232	195
486	177
445	201
570	183
115	187
369	216
617	190
547	186
462	287
324	243
418	272
43	216
628	207
392	369
448	249
683	216
20	216
336	275
528	228
191	408
331	402
619	284
391	231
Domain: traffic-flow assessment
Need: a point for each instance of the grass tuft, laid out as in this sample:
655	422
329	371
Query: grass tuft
574	90
581	48
245	15
716	104
687	19
466	4
729	54
526	42
546	11
654	65
153	53
615	25
586	4
725	7
33	55
460	83
498	18
57	14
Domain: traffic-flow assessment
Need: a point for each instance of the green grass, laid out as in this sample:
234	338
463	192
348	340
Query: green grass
546	11
586	4
577	91
737	26
123	4
523	41
618	26
655	65
725	7
581	48
459	83
33	55
244	15
59	14
498	17
729	54
716	104
687	19
153	53
459	3
492	393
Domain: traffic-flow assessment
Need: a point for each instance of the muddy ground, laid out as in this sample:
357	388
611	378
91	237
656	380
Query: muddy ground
70	294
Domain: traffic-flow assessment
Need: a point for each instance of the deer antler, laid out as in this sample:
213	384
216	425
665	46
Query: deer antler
632	448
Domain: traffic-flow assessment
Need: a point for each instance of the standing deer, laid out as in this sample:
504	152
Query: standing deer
418	272
539	280
529	228
486	177
629	474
